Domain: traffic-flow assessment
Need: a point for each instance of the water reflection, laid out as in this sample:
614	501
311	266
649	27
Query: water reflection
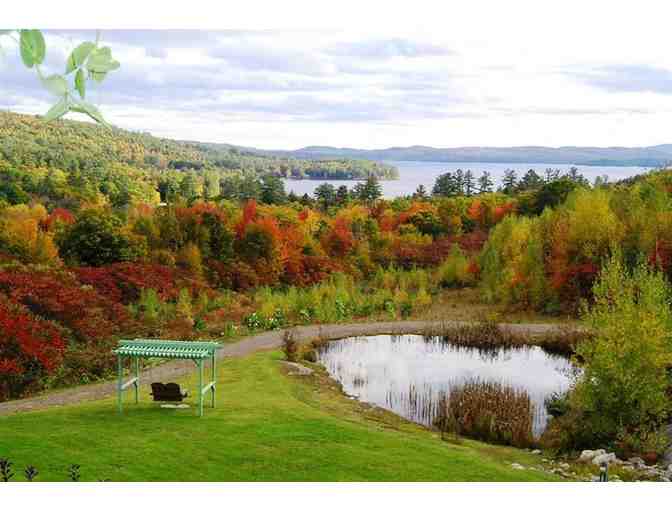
409	374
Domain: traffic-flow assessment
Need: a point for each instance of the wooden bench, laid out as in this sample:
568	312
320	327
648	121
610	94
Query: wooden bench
170	392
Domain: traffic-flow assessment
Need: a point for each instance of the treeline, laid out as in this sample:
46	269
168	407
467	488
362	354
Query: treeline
123	166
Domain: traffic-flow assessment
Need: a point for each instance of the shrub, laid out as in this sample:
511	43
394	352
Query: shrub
30	348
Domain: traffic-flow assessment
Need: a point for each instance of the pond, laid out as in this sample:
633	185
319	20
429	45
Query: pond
409	374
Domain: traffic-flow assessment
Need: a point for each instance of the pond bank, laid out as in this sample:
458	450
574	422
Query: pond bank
248	345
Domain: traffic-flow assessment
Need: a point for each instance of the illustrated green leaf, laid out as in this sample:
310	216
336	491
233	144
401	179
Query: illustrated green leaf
100	62
78	56
33	47
56	84
80	83
90	110
58	110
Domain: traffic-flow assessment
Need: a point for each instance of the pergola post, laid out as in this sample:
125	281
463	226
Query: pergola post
137	379
200	387
214	377
120	375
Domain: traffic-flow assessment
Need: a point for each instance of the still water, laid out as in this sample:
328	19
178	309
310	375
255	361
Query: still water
409	374
414	173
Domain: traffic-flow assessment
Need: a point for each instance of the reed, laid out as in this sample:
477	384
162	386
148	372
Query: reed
488	411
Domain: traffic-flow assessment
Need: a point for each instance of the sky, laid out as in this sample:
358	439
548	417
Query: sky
512	84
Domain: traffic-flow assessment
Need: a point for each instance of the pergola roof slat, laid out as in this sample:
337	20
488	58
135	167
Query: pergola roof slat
147	348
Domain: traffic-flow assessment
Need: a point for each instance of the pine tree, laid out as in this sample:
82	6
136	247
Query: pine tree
509	182
446	185
469	186
485	184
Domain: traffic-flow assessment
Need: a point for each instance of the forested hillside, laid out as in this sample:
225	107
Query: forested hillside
117	166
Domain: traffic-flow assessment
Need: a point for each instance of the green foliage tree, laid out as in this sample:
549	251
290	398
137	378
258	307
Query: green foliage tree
95	239
625	379
326	195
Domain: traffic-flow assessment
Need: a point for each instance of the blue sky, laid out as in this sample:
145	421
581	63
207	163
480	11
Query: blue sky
287	89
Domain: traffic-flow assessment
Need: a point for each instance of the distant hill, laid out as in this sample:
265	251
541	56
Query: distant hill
653	156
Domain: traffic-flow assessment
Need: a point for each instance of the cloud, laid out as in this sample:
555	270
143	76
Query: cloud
629	78
388	48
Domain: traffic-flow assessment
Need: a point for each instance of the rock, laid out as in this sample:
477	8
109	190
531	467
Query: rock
636	461
515	465
605	458
664	479
564	465
588	455
536	452
298	369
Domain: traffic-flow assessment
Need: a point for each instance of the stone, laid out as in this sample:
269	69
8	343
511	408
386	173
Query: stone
637	461
588	455
536	452
564	465
298	369
605	458
515	465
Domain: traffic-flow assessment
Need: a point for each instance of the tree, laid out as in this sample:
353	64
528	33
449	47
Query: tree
420	193
553	193
530	181
95	239
446	185
326	195
370	191
625	380
342	195
272	190
485	184
509	182
469	186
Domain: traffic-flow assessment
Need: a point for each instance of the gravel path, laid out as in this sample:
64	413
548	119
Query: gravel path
173	370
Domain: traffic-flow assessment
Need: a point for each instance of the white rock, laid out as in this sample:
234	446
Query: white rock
536	452
637	461
298	368
564	465
605	458
588	455
515	465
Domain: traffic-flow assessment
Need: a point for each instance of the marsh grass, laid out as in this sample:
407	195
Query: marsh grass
490	335
488	411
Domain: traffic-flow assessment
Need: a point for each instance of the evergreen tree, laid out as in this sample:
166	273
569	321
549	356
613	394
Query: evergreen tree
272	190
469	186
530	181
446	186
509	182
370	190
485	184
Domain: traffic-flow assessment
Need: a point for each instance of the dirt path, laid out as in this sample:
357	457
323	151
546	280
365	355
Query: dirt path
264	341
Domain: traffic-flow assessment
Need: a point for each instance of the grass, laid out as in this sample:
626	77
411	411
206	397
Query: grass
490	411
268	426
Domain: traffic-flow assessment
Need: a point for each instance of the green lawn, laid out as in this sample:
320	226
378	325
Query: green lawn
268	426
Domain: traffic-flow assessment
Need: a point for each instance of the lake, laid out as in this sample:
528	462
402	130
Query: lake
414	173
408	374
